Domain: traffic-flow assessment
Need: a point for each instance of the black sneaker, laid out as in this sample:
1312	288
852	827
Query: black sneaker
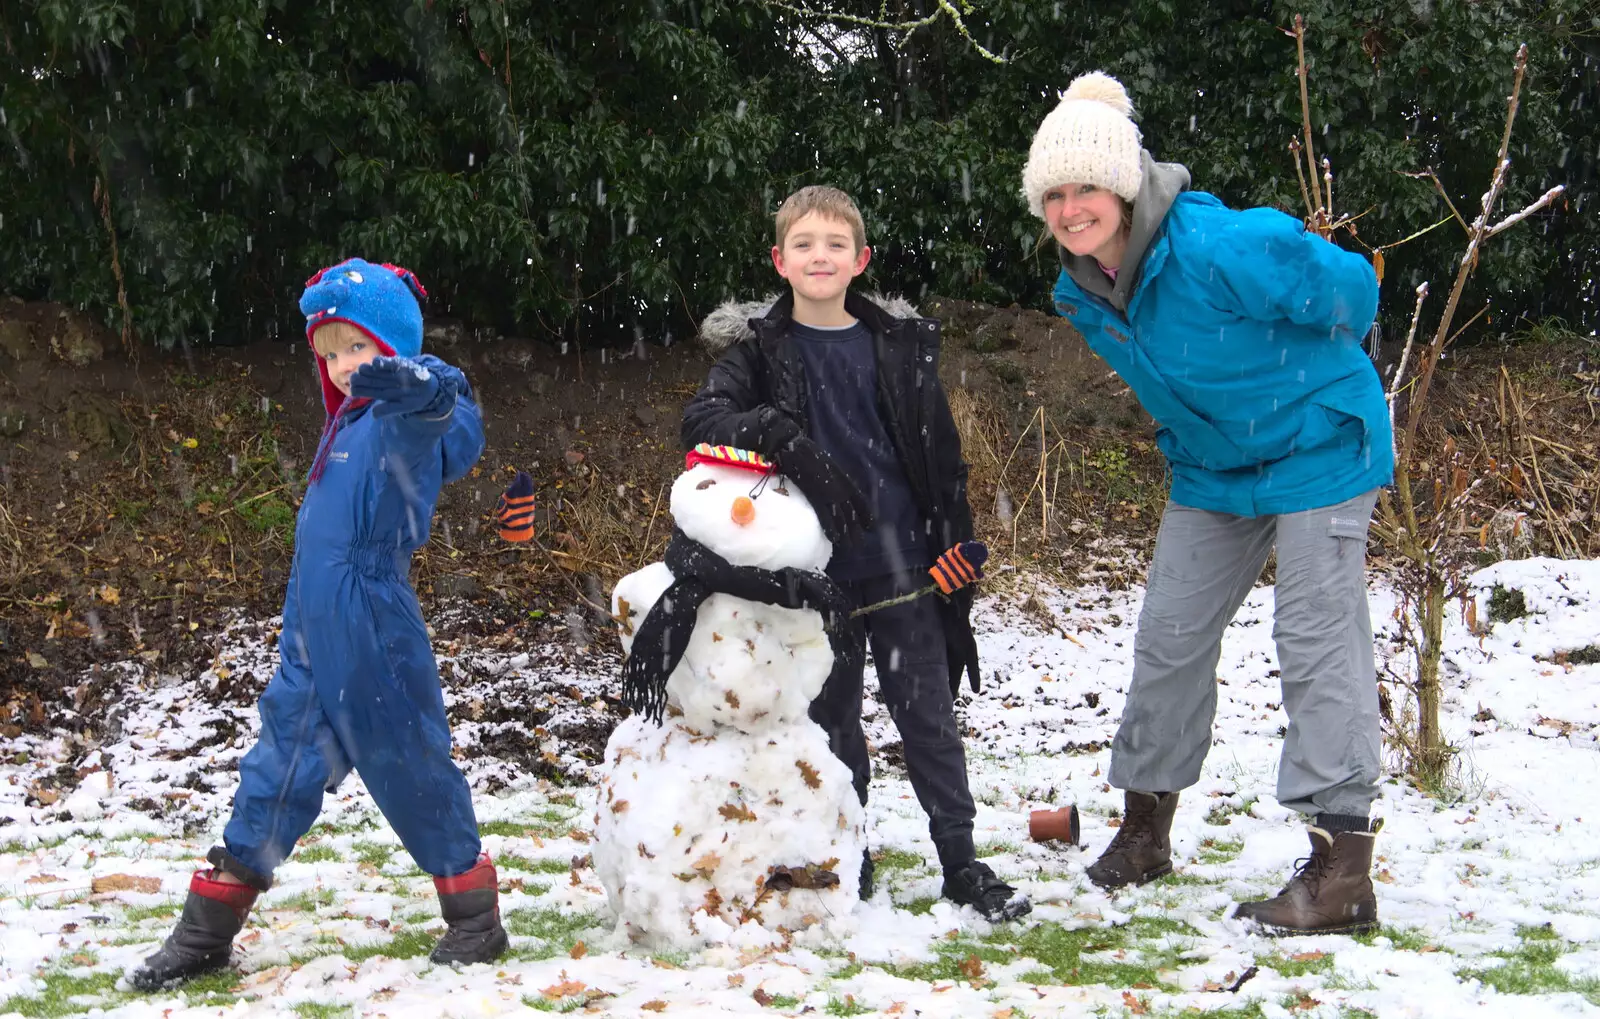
975	885
868	871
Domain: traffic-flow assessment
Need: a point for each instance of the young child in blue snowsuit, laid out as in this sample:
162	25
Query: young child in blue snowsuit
357	685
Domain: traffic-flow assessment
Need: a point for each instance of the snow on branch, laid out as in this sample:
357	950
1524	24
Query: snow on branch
1517	217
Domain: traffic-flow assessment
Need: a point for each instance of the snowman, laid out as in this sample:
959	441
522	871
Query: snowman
723	815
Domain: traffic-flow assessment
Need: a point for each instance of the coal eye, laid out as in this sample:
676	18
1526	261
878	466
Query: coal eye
707	483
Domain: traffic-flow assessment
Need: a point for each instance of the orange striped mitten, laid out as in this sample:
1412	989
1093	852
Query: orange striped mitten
960	566
513	514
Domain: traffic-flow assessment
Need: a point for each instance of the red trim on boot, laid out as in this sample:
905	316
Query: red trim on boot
482	875
237	897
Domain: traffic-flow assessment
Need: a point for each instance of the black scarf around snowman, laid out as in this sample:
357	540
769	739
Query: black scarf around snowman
699	573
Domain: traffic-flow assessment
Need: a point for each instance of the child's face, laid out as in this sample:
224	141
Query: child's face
1086	220
342	352
819	258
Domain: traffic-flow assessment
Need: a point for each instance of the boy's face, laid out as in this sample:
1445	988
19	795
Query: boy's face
819	258
342	352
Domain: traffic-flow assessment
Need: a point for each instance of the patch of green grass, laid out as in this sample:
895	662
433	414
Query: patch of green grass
1406	939
1530	968
1298	965
846	1006
897	859
556	931
847	972
542	1004
511	861
139	914
671	960
1060	951
1213	851
995	849
405	945
1159	926
783	1001
307	902
921	906
1222	813
509	829
316	1010
952	961
319	853
375	853
1506	604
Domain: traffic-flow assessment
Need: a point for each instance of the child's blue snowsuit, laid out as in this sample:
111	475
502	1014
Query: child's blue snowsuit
357	685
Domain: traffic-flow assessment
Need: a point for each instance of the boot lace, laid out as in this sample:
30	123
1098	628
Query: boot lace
1310	870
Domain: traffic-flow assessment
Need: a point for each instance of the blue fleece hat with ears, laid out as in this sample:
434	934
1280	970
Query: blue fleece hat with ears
382	301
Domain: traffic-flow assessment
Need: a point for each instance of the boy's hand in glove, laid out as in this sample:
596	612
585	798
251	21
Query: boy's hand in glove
513	514
840	506
396	385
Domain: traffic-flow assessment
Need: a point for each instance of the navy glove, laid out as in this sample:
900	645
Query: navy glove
395	385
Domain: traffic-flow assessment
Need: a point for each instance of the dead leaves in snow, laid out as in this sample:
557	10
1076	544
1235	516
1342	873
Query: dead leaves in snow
812	779
736	812
125	883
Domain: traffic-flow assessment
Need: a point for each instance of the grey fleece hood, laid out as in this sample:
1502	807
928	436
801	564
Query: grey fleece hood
730	321
1162	184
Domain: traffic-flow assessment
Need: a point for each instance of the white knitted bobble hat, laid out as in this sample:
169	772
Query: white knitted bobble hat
1089	138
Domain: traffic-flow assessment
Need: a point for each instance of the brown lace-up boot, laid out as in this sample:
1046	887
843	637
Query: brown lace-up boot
1331	891
1142	848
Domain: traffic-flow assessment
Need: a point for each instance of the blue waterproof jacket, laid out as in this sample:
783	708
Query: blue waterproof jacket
357	685
1242	338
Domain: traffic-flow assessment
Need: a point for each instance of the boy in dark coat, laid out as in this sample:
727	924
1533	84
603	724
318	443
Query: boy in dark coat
832	388
357	685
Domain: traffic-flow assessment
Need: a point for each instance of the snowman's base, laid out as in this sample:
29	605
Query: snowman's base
716	837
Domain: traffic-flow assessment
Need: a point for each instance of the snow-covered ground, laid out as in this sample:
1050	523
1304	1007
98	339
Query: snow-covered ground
1490	897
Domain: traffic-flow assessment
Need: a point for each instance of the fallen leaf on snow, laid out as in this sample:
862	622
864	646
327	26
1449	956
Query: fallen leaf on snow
579	950
1132	1004
124	883
654	1006
565	989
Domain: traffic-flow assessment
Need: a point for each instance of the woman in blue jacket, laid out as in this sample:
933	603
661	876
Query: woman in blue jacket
1240	333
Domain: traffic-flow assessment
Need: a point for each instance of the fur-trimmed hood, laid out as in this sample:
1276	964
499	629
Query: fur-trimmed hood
730	321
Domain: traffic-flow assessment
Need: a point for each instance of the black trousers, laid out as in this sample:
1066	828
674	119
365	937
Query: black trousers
908	647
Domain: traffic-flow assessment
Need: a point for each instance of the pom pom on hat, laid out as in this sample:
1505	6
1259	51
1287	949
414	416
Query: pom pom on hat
1089	138
1100	87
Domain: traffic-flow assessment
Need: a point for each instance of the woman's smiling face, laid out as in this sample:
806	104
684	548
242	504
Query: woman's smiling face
1087	220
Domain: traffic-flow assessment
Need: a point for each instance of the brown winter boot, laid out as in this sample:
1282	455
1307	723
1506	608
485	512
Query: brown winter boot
1142	848
470	905
1330	893
202	941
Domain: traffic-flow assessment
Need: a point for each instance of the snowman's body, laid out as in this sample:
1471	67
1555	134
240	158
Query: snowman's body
733	812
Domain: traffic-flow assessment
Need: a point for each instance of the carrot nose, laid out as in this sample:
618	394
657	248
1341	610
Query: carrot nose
743	511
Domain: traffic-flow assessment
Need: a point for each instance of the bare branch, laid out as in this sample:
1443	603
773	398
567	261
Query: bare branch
1327	179
1437	186
1517	217
1305	108
1405	355
945	9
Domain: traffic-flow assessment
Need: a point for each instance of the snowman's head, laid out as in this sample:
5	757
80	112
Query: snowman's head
731	502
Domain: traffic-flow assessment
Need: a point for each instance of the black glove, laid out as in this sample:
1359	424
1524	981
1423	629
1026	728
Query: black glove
960	646
774	431
840	506
396	385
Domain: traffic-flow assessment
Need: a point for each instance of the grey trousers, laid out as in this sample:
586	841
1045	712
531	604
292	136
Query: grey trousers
1204	565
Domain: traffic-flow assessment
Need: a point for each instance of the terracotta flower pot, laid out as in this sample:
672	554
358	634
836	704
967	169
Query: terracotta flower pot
1060	825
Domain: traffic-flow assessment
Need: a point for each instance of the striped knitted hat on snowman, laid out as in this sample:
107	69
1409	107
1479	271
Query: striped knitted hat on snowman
1089	138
